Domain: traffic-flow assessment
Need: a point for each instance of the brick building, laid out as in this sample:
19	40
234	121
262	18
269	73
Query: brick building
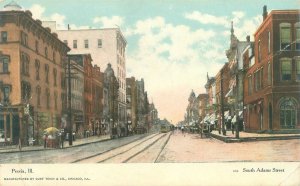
31	70
272	83
131	96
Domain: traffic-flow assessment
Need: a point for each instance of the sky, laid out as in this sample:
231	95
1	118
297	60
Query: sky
172	44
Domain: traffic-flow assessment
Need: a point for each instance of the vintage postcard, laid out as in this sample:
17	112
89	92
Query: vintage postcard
163	92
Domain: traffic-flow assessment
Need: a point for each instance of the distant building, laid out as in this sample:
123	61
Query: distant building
31	76
272	83
131	104
202	105
105	45
110	106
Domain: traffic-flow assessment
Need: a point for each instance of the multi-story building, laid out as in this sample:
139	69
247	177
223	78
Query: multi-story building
131	104
31	64
77	95
105	46
142	106
192	110
88	118
272	83
222	87
235	67
97	96
202	105
110	106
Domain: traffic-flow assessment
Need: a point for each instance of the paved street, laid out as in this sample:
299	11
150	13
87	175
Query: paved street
183	148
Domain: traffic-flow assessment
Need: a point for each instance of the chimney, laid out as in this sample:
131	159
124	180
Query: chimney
265	12
248	38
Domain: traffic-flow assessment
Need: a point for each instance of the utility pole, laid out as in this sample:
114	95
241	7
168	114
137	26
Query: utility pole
69	104
236	104
222	105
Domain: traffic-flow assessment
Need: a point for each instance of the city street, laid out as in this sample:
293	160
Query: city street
164	148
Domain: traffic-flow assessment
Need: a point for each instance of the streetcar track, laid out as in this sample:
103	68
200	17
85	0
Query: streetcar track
148	146
163	147
98	154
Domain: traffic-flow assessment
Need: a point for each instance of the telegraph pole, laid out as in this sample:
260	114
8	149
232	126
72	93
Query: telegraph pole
69	104
236	104
222	105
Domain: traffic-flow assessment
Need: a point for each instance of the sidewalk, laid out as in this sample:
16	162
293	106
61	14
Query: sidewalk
247	137
77	142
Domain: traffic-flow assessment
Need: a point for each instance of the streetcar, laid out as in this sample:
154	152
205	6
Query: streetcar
165	128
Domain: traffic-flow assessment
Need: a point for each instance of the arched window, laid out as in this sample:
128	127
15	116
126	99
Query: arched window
288	112
285	36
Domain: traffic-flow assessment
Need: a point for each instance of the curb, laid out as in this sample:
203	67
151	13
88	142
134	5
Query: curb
44	149
252	139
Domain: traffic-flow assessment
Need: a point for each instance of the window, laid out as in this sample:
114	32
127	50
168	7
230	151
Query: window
285	36
269	74
99	43
48	98
37	46
4	62
286	69
259	51
55	100
38	92
257	80
53	57
261	78
25	90
298	69
47	73
86	43
6	92
297	27
24	38
74	43
288	110
25	64
55	76
269	42
46	52
3	36
37	69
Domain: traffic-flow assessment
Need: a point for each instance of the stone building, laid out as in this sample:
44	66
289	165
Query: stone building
31	64
235	68
272	83
110	106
